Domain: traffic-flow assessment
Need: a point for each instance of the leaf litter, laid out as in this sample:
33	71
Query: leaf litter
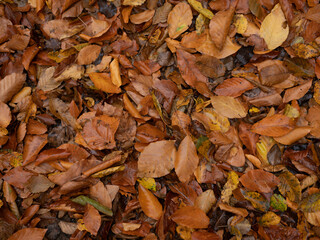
144	119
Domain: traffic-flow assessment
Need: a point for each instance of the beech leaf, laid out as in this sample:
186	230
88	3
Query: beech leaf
149	203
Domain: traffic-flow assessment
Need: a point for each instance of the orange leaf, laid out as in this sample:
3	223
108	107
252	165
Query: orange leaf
103	82
149	203
5	116
179	19
187	159
259	180
142	17
191	217
10	85
29	233
233	87
228	106
276	125
33	145
293	136
88	54
296	92
92	219
157	159
219	27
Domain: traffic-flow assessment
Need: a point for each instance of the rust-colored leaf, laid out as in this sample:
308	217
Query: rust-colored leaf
5	116
102	81
92	219
149	203
88	54
191	217
29	233
276	125
10	85
33	145
233	87
186	160
228	106
259	180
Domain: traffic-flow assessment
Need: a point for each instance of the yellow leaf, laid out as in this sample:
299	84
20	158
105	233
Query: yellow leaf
184	232
231	184
228	106
291	111
200	23
148	183
269	219
81	226
198	7
263	147
179	19
316	94
133	2
216	122
305	50
257	200
274	29
241	23
290	186
108	171
1	203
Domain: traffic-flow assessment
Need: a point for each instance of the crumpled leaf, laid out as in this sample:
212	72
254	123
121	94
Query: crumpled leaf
149	203
186	160
228	106
157	159
179	19
274	29
290	186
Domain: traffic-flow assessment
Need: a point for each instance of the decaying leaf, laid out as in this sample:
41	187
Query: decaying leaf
290	186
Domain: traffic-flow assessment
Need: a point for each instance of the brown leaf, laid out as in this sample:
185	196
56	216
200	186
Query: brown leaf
313	14
33	145
60	29
36	127
99	192
115	73
98	133
102	81
293	136
149	203
273	72
5	116
39	184
190	73
92	219
259	180
29	233
18	177
142	17
28	55
238	211
28	214
179	19
51	155
204	235
210	66
228	106
162	13
191	217
276	125
296	92
233	87
248	138
10	85
186	160
219	27
88	54
157	159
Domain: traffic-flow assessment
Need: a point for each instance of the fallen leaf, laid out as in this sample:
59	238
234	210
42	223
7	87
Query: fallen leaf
228	106
278	202
269	219
83	200
293	136
191	217
276	125
238	211
149	203
10	85
5	117
29	233
60	29
233	87
205	201
88	54
142	17
219	27
198	7
179	19
186	160
92	219
296	92
102	81
32	147
231	184
210	66
290	186
133	2
157	159
259	180
115	73
99	192
274	29
257	200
